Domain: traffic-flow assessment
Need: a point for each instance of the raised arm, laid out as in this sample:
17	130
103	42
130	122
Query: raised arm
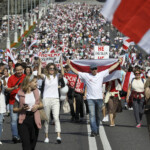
115	65
61	66
73	69
39	70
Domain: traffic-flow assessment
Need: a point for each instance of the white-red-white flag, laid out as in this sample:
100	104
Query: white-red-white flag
33	42
126	43
10	55
52	49
102	64
132	18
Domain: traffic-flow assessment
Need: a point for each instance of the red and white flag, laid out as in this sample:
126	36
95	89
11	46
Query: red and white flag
10	55
126	43
33	42
132	18
52	49
103	64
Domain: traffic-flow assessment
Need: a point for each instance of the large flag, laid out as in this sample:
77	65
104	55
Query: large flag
132	18
103	64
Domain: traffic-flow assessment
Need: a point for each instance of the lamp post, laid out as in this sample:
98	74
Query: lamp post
39	10
31	15
34	12
16	33
27	18
8	38
22	28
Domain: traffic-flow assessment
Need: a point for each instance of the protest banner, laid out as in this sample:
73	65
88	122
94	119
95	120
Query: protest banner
49	58
101	52
72	80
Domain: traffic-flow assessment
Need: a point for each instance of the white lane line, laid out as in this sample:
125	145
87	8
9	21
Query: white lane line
103	137
92	140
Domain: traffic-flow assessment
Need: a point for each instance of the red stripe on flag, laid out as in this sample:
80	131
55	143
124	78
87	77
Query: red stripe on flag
140	23
124	13
87	68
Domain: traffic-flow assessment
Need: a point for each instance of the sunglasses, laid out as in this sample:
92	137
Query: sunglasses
137	73
51	68
1	72
94	69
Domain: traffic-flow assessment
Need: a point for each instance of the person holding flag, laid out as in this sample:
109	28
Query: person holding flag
94	81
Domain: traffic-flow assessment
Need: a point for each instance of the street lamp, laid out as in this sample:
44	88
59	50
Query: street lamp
8	38
31	15
22	28
34	12
16	33
39	10
27	18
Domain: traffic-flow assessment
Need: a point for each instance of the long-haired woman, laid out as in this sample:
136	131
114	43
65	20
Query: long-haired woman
51	97
29	121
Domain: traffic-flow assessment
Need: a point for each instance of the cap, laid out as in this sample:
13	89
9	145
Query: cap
93	66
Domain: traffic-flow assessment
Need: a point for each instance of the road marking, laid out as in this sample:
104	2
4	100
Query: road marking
92	140
103	138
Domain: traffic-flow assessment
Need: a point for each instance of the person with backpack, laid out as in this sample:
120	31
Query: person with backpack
136	88
147	99
51	97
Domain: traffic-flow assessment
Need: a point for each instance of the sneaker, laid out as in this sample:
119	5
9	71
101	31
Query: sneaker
46	140
16	139
105	119
58	140
0	143
112	125
93	134
131	108
138	125
97	133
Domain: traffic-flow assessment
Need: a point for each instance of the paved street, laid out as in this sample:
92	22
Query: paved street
75	136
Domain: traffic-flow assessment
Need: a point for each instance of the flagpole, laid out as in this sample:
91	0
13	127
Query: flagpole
27	17
16	33
8	38
22	28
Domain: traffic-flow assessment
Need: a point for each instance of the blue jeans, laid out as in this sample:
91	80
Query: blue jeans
1	125
14	118
95	107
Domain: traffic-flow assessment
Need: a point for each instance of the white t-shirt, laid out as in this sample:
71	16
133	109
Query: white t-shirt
94	83
138	85
30	100
51	87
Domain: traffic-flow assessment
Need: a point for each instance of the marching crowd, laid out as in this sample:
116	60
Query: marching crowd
28	90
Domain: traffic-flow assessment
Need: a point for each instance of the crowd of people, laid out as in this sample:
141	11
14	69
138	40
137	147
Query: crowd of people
27	87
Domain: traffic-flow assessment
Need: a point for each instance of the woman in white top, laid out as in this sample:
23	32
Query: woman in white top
51	97
2	107
136	87
29	121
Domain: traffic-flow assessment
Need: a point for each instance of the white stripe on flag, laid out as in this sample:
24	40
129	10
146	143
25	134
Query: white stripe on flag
143	42
109	9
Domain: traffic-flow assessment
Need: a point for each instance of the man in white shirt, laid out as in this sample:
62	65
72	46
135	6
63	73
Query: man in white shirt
94	81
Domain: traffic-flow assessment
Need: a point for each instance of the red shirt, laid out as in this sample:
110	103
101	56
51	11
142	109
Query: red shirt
11	83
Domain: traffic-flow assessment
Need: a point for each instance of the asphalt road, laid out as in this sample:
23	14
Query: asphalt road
75	136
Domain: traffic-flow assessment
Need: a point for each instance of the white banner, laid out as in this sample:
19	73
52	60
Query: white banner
49	58
101	52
